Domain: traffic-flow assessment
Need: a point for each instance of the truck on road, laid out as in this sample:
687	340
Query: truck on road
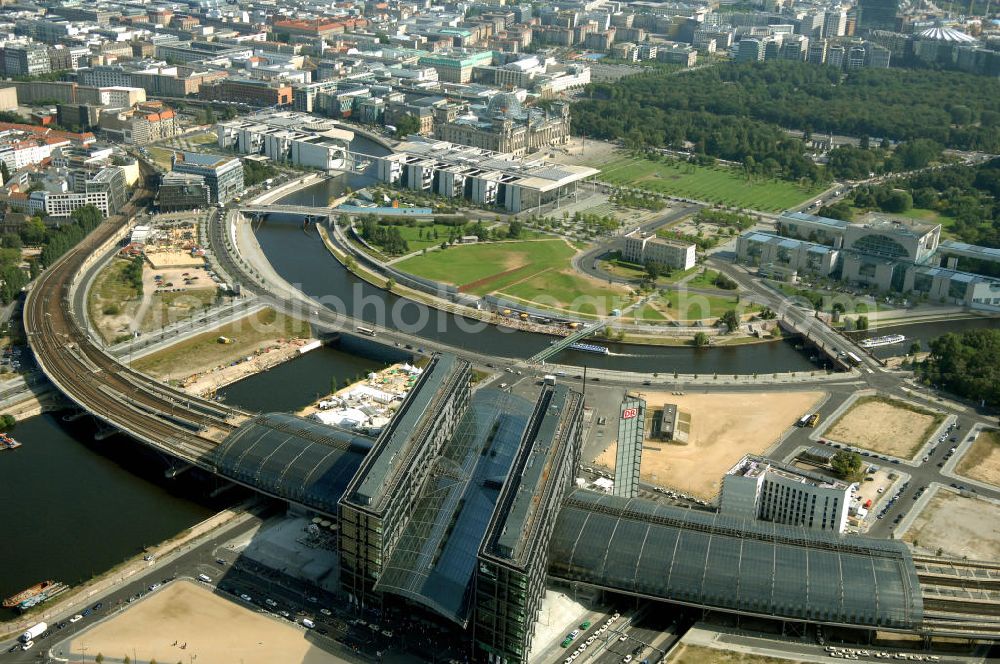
33	632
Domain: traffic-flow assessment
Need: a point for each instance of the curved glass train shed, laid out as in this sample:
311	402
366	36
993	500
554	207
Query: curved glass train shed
292	458
705	559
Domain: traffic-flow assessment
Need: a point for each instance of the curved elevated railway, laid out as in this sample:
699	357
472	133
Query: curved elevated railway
161	416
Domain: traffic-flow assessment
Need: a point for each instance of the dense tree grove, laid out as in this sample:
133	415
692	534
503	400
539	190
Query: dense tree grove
966	194
255	172
734	111
388	238
967	364
59	241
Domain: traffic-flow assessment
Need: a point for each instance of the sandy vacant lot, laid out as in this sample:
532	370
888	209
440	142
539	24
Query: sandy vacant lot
216	631
885	426
957	527
724	427
690	654
982	460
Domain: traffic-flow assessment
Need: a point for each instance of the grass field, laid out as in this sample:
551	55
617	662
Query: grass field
422	235
204	351
536	271
112	301
167	308
698	306
162	156
717	184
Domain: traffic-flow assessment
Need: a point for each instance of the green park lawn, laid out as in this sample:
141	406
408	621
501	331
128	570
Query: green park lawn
683	305
535	271
421	236
716	184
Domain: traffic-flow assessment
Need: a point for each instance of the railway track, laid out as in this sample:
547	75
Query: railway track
160	415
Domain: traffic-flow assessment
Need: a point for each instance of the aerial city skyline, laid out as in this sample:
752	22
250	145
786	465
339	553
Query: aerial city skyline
575	331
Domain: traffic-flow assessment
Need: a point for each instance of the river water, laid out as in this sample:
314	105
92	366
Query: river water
299	256
75	507
925	332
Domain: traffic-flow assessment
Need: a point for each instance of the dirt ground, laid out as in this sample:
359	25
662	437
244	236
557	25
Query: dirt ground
187	613
578	151
982	460
885	426
957	527
205	361
724	427
690	654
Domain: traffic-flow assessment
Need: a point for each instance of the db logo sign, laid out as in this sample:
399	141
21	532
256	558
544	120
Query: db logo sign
629	413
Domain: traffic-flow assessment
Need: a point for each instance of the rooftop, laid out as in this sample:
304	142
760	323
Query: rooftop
813	219
398	443
888	222
707	559
435	560
516	522
754	466
293	458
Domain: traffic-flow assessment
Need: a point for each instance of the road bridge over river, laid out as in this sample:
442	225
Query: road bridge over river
309	464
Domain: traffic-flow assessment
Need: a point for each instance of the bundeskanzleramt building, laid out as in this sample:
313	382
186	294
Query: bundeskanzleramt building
513	559
223	175
763	489
886	253
651	249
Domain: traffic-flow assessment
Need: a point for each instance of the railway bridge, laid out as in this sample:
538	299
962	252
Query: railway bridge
633	547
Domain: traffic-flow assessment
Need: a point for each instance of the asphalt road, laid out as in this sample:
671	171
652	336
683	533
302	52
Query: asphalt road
233	575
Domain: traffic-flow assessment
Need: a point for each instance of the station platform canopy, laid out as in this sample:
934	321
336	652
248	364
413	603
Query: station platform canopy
704	559
292	458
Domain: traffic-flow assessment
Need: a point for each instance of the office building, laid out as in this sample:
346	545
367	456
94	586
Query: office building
878	15
182	191
513	558
889	254
855	57
378	504
486	178
288	137
26	60
817	52
750	50
223	175
144	123
836	55
669	254
107	190
249	91
835	24
628	457
759	488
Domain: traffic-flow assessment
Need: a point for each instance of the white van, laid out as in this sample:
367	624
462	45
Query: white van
205	578
308	624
